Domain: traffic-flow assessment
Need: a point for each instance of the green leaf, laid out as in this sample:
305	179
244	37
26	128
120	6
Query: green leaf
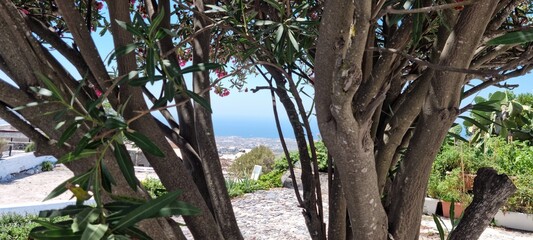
178	208
144	143
276	5
60	234
513	38
155	23
293	41
69	157
279	35
66	211
68	132
418	24
135	232
61	188
133	30
150	64
94	231
47	224
199	99
200	67
439	226
83	218
214	8
170	33
51	86
123	50
115	123
141	81
264	22
125	165
457	136
473	121
107	178
146	210
170	90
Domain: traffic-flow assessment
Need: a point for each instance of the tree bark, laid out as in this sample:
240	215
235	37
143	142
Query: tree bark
491	191
223	211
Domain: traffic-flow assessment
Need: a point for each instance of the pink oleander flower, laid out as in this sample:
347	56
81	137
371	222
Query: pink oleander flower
99	5
24	11
98	92
221	73
182	62
221	91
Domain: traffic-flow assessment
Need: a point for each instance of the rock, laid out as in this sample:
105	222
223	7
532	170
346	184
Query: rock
286	179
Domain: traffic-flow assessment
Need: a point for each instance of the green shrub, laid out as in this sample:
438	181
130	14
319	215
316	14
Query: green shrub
321	155
47	166
154	187
451	188
271	179
243	166
30	147
240	187
18	227
522	199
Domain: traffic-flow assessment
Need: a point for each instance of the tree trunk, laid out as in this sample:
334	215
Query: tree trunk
491	191
223	211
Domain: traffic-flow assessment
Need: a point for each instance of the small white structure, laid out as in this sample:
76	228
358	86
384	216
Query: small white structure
256	172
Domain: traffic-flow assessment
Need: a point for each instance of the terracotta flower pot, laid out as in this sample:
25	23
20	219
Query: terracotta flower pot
469	181
458	209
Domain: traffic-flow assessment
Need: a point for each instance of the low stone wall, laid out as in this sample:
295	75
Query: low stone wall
20	163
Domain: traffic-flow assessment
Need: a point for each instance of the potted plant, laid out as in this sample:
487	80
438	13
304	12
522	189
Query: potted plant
451	189
518	211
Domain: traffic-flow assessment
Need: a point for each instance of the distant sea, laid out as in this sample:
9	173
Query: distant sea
254	128
248	128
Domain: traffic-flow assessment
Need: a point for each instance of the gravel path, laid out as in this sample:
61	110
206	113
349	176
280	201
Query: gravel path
263	215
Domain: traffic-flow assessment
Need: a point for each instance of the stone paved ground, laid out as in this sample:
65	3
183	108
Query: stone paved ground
263	215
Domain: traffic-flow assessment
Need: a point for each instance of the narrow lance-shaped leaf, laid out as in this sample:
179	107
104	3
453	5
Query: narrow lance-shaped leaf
144	143
473	121
197	98
150	64
200	67
68	132
155	23
60	234
94	231
439	226
51	86
135	31
125	165
121	51
69	157
68	210
84	218
513	38
61	188
146	210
